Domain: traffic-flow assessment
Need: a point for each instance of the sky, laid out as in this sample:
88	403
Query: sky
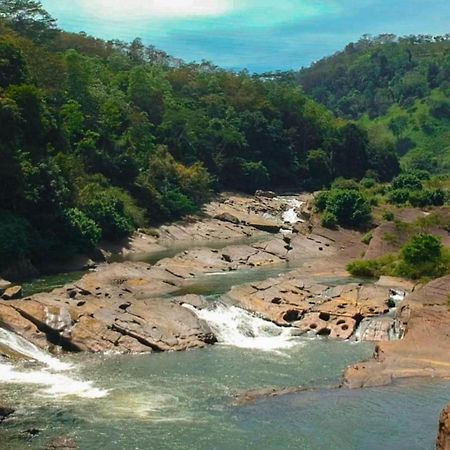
258	35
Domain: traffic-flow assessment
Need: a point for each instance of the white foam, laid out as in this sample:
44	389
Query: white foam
54	384
26	348
238	328
290	215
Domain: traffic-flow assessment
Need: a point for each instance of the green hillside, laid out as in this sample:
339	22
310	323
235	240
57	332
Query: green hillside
99	138
399	87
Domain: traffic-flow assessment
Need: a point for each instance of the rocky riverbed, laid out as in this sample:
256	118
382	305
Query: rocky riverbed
143	300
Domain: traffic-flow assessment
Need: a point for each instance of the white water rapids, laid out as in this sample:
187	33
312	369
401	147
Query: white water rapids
290	215
49	378
236	327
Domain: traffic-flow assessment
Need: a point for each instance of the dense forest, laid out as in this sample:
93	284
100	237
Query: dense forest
397	87
98	138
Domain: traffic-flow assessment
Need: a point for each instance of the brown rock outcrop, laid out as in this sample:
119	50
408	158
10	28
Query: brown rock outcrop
312	307
424	350
443	440
12	293
112	310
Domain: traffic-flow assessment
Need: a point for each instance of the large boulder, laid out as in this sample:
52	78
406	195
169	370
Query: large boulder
443	440
423	352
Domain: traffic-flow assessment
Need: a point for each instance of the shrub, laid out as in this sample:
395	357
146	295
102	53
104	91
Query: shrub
399	196
367	238
349	207
84	232
320	200
329	220
368	182
422	248
345	183
388	215
407	181
422	257
427	198
177	204
108	212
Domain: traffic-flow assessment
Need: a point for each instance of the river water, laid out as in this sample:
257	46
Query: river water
184	400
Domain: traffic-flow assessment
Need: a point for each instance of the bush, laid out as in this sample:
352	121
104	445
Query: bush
349	207
422	257
422	248
329	220
399	196
427	198
84	232
14	238
372	268
178	205
320	200
388	215
407	181
345	183
368	182
108	212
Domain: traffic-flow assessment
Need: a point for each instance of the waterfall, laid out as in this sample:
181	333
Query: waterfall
236	327
48	377
23	347
385	327
290	215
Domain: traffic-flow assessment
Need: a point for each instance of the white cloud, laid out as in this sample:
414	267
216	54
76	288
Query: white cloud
126	9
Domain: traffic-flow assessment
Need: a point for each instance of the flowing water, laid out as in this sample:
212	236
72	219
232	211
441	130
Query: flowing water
184	400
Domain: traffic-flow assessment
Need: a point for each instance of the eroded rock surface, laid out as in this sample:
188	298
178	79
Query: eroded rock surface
443	440
424	350
114	309
312	307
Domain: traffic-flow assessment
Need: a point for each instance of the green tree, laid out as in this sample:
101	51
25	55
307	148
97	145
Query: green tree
29	18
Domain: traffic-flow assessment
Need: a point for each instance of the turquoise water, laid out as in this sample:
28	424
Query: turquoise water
183	401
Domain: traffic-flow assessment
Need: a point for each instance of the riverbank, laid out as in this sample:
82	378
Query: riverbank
271	285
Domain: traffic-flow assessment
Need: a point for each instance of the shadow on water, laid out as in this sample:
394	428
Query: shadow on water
173	248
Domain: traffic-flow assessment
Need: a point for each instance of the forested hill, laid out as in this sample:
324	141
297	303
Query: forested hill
98	138
398	87
373	74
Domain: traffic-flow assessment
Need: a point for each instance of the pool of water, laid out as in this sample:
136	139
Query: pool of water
183	401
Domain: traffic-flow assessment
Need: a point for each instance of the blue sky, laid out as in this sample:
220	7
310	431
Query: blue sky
258	35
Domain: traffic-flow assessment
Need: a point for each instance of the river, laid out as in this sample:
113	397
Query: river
184	400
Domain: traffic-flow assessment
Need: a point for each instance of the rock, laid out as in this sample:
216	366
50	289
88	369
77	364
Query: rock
5	412
227	217
20	270
108	310
266	225
266	194
423	352
12	293
443	440
4	285
62	443
323	324
197	301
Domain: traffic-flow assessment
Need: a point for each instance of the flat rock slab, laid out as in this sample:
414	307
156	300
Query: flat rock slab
425	349
111	310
